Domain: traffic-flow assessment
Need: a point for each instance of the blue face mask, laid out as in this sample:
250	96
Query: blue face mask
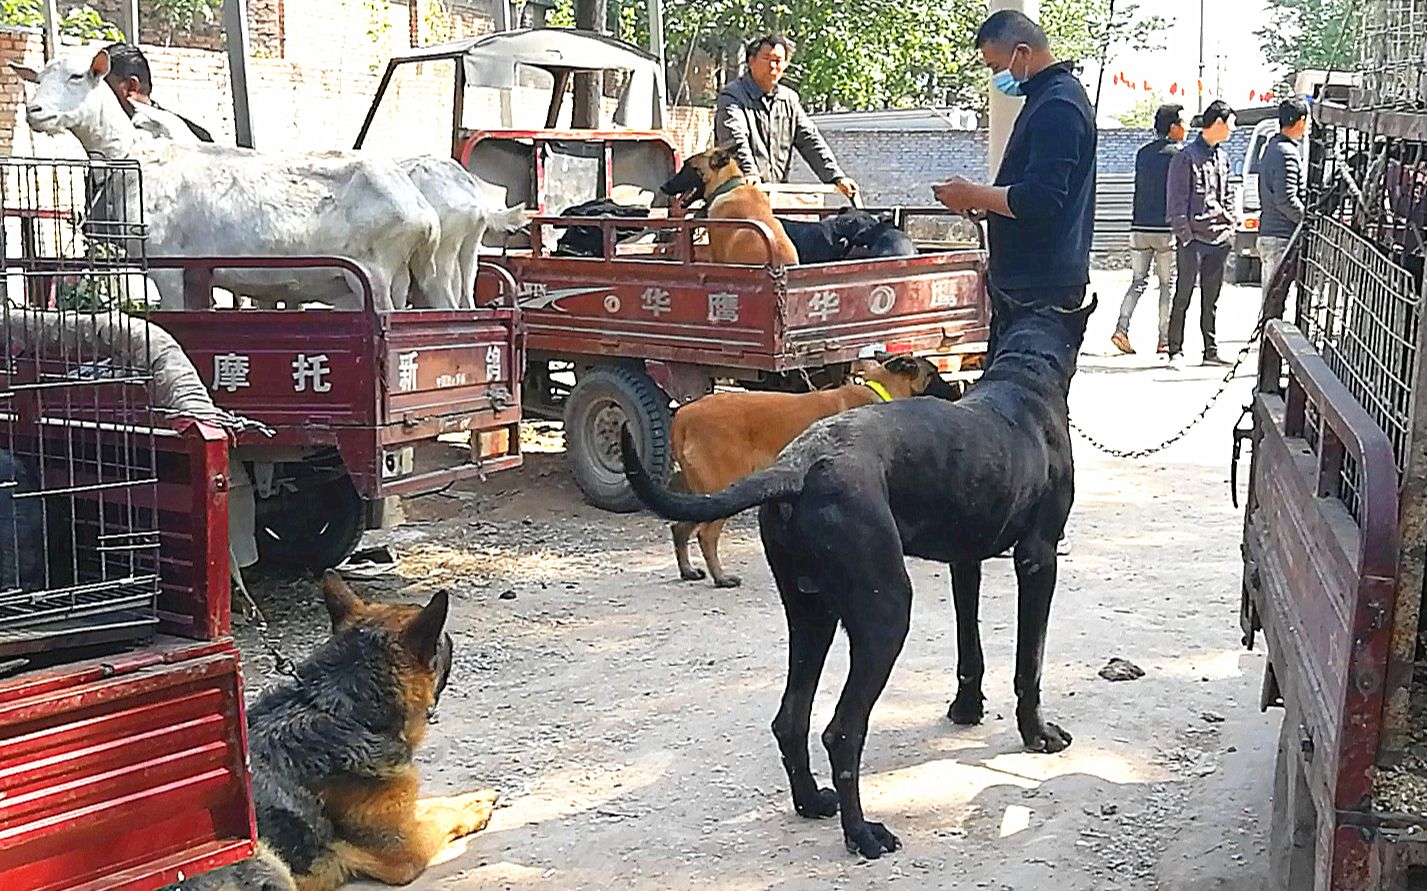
1005	82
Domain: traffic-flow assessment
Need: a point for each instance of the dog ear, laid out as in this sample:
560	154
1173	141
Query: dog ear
720	155
903	365
342	602
422	635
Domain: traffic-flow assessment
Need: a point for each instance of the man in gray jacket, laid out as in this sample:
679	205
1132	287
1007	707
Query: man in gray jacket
764	121
1280	176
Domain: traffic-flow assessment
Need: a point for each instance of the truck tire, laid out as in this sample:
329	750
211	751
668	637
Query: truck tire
314	528
603	400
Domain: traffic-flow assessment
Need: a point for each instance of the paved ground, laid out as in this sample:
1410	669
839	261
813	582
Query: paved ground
624	714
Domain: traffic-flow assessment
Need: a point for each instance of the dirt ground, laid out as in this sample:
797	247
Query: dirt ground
624	714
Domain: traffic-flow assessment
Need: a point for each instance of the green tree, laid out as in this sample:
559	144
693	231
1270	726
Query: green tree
176	16
1141	114
871	53
1303	34
80	21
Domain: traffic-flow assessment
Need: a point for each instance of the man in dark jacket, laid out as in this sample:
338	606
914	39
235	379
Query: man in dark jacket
1151	242
764	121
1040	209
1280	204
131	81
1201	215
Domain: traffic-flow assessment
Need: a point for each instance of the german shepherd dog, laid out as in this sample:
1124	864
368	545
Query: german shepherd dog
334	785
956	482
715	177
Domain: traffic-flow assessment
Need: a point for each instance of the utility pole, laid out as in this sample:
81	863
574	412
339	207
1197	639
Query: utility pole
1199	86
129	20
589	85
1005	108
51	12
235	28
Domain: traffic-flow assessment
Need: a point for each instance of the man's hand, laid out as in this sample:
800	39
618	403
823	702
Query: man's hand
956	194
847	186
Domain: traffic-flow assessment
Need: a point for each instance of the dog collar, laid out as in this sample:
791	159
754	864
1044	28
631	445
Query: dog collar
880	390
728	185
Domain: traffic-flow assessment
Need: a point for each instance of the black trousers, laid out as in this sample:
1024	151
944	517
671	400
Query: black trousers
1205	262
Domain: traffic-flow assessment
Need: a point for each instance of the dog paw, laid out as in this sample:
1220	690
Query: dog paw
966	709
728	581
476	809
692	575
1047	737
824	804
871	840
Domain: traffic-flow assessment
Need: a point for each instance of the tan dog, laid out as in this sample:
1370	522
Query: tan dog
726	436
714	176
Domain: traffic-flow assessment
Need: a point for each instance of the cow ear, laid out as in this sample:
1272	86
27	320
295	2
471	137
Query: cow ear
27	74
99	65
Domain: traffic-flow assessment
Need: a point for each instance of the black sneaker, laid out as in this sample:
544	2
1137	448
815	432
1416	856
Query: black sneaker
1213	360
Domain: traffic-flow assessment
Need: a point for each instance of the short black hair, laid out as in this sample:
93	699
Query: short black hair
1291	111
1167	116
756	45
126	61
1009	27
1214	112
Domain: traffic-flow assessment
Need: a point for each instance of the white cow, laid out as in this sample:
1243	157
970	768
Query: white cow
466	213
202	199
462	206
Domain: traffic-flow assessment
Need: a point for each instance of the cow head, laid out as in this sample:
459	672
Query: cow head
70	95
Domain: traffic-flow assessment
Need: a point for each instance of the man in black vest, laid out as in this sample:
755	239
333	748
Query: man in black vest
1040	210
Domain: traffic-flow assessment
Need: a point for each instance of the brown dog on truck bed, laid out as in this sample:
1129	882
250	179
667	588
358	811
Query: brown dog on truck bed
714	176
726	436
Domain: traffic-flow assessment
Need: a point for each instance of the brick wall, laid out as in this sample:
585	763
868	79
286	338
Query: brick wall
901	166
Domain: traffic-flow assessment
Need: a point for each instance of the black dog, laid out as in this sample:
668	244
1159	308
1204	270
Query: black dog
956	482
588	241
881	240
828	239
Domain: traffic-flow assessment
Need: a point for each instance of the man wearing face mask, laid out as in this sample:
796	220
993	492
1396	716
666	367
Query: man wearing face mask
1040	209
1200	214
764	121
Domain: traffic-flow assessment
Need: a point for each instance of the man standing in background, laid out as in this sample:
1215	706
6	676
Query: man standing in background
1280	178
1201	216
1151	241
764	121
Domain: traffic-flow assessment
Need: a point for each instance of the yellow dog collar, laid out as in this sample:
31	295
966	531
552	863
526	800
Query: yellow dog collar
880	390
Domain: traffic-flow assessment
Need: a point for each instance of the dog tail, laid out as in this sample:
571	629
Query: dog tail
781	480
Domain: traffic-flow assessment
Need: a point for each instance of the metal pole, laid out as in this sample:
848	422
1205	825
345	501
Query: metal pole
51	12
1200	84
235	27
129	20
1004	109
656	30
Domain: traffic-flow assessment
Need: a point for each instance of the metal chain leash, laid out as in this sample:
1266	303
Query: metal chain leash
281	661
1135	454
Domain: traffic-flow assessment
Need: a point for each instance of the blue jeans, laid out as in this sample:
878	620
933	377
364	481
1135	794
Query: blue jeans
1147	247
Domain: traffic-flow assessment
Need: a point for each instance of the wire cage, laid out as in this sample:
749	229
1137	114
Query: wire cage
1393	54
1361	285
79	537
